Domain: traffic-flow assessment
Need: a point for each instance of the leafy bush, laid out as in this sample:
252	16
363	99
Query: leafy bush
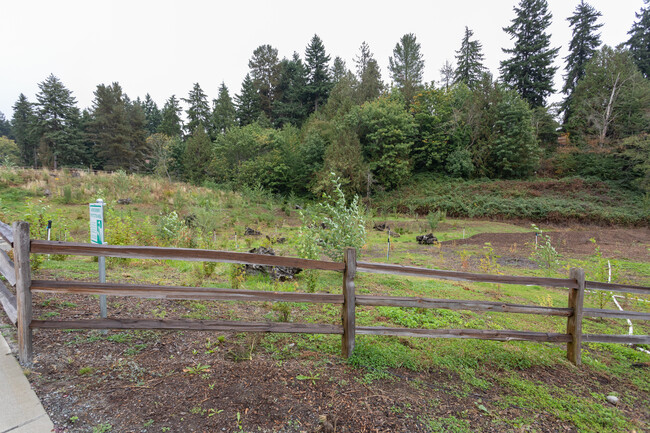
169	226
333	225
435	218
545	254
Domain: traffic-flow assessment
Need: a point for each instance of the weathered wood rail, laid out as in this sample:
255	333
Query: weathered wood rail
348	299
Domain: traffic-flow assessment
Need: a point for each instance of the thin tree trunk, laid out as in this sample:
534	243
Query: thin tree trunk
608	112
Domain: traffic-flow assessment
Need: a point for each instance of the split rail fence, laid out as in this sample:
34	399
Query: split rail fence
19	307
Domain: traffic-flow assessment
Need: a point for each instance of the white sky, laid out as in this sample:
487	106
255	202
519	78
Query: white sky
162	47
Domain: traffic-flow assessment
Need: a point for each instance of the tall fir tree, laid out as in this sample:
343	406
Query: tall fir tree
469	60
639	42
291	107
319	81
339	69
197	156
248	102
224	115
109	128
368	74
171	124
152	114
137	135
406	66
198	111
530	70
264	69
57	125
584	43
23	126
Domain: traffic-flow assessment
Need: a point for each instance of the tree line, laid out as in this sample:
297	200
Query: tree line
297	120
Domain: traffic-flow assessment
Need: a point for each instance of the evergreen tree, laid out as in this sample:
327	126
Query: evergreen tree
319	82
339	69
264	66
584	43
291	107
109	128
407	66
171	124
368	74
5	126
197	156
198	111
137	135
57	125
530	68
469	60
639	42
447	74
23	126
224	115
152	114
248	102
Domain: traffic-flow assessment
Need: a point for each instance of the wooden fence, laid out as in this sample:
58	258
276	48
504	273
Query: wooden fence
19	307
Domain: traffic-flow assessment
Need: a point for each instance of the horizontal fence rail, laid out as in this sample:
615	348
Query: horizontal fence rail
186	254
348	299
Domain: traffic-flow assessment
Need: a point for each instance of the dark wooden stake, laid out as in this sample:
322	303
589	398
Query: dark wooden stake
350	260
23	291
574	322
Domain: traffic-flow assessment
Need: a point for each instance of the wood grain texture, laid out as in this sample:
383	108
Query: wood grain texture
394	301
615	314
348	312
574	321
6	233
188	254
410	271
626	288
180	292
627	339
8	301
192	325
23	292
7	268
480	334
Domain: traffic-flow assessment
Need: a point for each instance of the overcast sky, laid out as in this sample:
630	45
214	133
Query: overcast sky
162	47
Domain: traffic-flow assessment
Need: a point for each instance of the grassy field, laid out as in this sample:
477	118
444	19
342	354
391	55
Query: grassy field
423	384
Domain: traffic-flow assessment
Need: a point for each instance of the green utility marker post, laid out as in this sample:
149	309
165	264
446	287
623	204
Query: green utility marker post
97	237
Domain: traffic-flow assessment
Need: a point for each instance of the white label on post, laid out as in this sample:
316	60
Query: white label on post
96	223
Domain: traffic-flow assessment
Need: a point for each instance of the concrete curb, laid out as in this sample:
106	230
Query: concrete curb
20	410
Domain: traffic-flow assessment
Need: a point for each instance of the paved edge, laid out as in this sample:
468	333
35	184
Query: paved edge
20	409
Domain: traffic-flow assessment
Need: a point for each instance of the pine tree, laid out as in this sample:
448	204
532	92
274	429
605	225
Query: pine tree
368	74
57	125
264	66
339	69
109	128
584	43
407	66
23	126
319	82
530	68
469	60
137	135
197	156
152	114
224	115
639	42
248	102
291	107
447	74
198	111
171	124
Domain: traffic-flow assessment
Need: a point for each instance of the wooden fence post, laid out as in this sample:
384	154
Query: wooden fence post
23	291
574	322
349	301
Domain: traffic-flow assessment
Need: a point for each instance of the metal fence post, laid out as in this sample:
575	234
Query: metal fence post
574	321
23	291
349	301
